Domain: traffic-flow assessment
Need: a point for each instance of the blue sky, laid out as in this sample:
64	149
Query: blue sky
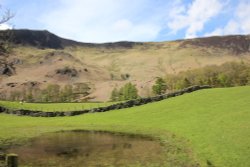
138	20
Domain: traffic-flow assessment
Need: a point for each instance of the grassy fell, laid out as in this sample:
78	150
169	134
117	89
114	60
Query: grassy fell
208	126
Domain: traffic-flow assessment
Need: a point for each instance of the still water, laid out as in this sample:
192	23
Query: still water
89	149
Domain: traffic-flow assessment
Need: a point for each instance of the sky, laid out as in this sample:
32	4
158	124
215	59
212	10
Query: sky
130	20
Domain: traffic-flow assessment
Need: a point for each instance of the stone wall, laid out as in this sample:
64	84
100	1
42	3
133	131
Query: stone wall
127	104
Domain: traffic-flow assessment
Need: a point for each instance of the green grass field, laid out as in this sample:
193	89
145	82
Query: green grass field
210	126
53	106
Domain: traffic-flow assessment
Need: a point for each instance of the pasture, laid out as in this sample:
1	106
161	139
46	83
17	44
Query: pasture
208	127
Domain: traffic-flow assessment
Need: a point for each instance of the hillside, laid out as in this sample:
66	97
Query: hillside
205	128
39	58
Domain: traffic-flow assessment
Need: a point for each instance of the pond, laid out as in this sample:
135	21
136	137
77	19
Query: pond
87	149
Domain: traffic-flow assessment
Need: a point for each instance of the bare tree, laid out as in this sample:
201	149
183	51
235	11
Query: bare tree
5	36
6	16
5	43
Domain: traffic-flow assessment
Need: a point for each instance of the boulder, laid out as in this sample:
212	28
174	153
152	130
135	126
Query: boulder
71	72
6	69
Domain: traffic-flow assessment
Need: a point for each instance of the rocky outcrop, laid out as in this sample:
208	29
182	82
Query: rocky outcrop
6	69
11	84
127	104
71	72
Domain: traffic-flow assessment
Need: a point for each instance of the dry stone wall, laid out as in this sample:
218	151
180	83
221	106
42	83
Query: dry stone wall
127	104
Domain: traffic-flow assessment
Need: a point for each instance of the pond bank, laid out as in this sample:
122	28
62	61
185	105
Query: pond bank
90	148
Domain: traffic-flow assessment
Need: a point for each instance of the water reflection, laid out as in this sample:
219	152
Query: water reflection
83	149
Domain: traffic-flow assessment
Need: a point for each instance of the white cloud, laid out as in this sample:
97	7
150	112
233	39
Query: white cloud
239	24
243	16
5	27
126	30
193	17
216	32
101	21
122	25
231	27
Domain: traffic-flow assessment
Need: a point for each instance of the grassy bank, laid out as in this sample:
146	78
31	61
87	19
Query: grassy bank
214	123
46	107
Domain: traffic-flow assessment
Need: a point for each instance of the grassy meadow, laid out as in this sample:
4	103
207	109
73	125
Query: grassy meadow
210	127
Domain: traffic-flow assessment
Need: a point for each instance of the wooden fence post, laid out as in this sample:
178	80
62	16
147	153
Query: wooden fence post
2	159
12	160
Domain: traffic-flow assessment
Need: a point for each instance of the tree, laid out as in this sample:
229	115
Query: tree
186	83
223	80
114	95
66	94
127	92
53	91
7	15
5	37
29	96
44	96
159	87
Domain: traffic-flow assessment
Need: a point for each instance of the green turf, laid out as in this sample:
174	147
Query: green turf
215	123
52	106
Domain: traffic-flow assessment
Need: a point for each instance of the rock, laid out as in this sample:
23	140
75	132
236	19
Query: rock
91	111
6	69
43	114
31	84
11	84
70	113
50	114
72	72
59	114
35	114
16	61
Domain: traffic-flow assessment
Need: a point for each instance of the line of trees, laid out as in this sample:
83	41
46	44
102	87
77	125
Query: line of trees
226	75
52	93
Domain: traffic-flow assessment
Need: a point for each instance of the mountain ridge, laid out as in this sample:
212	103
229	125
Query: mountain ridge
44	38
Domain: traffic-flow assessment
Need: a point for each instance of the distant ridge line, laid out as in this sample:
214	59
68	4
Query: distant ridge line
45	39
